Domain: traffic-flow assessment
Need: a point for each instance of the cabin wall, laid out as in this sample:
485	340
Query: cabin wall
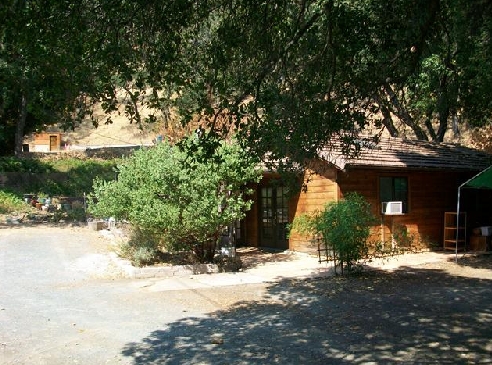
252	218
430	194
47	142
319	189
250	222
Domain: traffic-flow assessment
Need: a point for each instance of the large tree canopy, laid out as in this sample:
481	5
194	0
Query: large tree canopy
44	67
286	75
289	75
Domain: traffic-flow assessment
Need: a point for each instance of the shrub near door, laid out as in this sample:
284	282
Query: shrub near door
344	228
180	197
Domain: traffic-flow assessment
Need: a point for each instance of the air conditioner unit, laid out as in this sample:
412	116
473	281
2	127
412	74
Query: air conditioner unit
392	208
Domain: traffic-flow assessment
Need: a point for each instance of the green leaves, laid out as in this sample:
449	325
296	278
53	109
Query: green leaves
44	47
344	227
183	194
294	75
285	76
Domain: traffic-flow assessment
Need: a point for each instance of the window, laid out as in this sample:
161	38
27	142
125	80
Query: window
394	189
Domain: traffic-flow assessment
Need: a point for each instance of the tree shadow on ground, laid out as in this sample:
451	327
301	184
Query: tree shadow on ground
410	316
476	260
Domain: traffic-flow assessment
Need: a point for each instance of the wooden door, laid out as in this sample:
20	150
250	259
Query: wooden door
274	217
53	143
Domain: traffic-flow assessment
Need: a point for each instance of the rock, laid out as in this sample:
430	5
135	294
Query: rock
217	340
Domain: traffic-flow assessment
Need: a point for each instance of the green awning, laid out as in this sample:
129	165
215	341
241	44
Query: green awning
482	180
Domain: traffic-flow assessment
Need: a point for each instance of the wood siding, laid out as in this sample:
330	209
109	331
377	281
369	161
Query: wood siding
251	229
430	194
47	142
318	191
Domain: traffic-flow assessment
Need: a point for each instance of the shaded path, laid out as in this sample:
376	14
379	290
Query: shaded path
409	316
57	306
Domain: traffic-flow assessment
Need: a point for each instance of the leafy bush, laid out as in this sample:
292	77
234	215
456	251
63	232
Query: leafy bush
76	214
82	173
344	228
180	195
142	248
9	202
58	175
15	164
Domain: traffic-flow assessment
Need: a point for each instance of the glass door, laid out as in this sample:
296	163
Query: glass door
274	217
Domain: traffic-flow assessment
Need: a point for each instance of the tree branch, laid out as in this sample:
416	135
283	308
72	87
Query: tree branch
400	111
388	122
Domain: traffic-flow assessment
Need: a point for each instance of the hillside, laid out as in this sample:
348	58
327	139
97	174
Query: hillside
122	133
118	133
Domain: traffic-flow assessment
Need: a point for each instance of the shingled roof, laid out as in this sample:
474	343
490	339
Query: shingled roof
403	153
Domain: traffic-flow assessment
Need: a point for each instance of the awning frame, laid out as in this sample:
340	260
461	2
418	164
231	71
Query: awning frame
467	184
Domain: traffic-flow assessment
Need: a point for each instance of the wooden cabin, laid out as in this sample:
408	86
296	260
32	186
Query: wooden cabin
421	178
47	142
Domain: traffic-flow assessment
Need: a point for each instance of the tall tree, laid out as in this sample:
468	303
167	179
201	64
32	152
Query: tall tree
298	71
51	67
290	75
449	81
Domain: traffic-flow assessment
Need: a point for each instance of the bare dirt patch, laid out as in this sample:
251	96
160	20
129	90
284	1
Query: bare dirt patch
254	256
416	312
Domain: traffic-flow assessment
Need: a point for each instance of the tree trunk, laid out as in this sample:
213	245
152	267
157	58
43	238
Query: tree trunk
210	247
388	122
443	122
21	124
443	109
430	128
400	111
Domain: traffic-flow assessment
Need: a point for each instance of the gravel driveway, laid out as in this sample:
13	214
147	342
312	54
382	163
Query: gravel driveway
61	302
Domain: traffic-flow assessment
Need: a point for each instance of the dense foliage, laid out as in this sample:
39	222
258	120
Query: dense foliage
58	176
176	199
307	71
10	202
344	228
48	67
14	164
274	71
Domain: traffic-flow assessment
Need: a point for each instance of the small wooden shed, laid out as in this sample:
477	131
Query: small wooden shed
47	142
419	178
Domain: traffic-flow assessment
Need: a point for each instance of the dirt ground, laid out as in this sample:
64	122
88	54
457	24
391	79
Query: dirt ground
465	264
54	310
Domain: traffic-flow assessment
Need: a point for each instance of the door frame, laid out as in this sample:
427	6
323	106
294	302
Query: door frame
53	142
275	216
